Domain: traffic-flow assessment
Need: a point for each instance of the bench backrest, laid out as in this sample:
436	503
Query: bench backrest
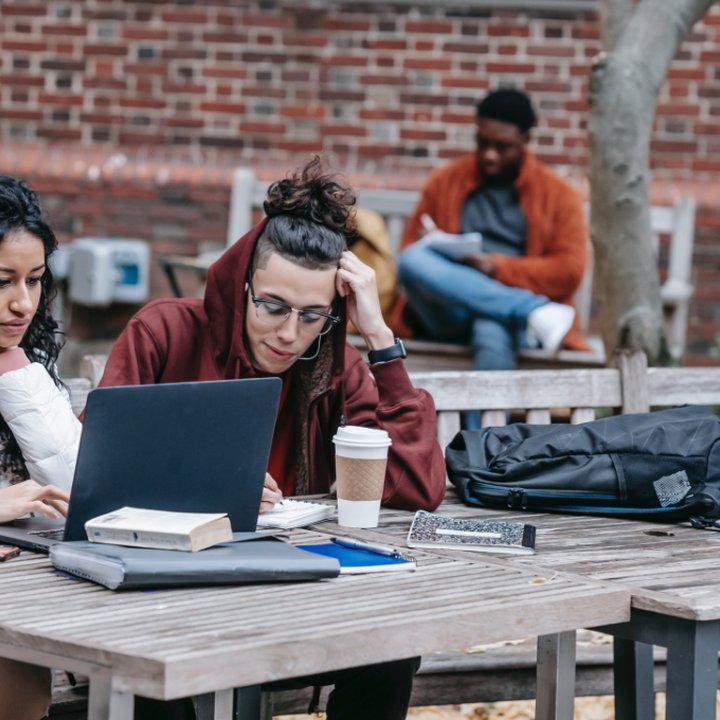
535	396
676	222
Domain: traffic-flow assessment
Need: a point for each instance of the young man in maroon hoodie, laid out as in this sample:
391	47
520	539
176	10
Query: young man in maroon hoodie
276	303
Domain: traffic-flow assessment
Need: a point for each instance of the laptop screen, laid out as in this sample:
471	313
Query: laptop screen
194	447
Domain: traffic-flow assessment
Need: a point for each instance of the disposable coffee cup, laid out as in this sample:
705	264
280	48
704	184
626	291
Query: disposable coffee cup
360	464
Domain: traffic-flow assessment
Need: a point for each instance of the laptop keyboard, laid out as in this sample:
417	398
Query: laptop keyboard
50	534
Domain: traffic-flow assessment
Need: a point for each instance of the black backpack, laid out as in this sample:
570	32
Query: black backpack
657	466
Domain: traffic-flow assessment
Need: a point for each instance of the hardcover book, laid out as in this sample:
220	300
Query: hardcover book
429	530
162	529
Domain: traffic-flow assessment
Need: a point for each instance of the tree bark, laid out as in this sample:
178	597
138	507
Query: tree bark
625	81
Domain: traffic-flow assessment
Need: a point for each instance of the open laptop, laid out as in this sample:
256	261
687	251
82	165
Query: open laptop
194	447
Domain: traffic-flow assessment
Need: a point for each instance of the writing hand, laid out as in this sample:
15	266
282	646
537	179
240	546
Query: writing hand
356	282
29	496
271	494
482	262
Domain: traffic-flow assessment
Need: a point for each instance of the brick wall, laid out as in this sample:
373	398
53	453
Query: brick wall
381	86
128	117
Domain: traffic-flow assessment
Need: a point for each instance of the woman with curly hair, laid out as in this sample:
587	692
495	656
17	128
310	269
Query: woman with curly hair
276	303
39	433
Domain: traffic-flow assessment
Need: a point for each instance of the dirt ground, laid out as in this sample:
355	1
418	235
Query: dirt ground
590	708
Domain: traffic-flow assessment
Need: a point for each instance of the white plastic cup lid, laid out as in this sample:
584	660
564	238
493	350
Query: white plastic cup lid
362	436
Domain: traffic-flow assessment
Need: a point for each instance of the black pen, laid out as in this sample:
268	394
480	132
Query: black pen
386	550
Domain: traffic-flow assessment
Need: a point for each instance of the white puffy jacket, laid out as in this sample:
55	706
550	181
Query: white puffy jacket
43	423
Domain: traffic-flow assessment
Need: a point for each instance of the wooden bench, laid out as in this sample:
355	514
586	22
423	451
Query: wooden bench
538	396
676	222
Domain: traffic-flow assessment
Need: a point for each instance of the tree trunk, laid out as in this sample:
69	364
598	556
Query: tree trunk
624	84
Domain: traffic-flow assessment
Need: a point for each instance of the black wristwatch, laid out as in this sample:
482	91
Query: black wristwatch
389	353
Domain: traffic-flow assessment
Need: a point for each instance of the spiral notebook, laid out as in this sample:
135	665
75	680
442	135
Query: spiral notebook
429	530
295	513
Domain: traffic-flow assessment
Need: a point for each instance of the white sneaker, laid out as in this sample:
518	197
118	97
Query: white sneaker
549	324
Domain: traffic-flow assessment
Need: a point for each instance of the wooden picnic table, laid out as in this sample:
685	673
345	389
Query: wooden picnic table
206	641
671	571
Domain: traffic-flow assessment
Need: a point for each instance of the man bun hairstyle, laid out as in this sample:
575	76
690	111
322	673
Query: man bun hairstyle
508	105
311	218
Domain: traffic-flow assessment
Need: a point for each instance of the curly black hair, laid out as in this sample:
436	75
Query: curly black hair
20	212
311	218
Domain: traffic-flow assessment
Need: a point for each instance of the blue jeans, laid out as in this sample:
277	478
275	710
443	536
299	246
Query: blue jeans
456	303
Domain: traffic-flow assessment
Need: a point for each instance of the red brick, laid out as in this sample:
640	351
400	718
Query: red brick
522	31
303	111
456	118
59	133
24	10
64	29
435	27
21	80
427	63
188	17
412	134
345	60
424	46
381	114
17	114
146	68
345	130
509	67
179	88
144	33
104	82
102	118
382	79
300	146
237	38
142	103
60	99
676	73
385	44
90	49
183	122
238	73
678	109
346	24
272	128
266	20
224	107
507	50
30	46
474	82
474	48
546	50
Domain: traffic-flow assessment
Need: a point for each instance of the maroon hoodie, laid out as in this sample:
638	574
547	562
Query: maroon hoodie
177	340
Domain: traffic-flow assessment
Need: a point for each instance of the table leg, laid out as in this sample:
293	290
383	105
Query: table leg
555	676
692	669
633	680
215	706
248	703
104	703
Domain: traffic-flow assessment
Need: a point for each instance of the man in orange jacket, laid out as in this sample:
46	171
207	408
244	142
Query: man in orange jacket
517	290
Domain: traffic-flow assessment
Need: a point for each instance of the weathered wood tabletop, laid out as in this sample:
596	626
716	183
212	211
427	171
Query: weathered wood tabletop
671	571
181	642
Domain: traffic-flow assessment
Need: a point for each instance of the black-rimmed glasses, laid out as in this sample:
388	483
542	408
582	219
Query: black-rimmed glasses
275	312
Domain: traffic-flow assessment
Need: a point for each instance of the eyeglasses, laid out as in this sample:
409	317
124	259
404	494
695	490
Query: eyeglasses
275	312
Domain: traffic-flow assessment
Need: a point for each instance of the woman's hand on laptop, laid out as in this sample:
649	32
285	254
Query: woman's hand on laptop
271	494
31	497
